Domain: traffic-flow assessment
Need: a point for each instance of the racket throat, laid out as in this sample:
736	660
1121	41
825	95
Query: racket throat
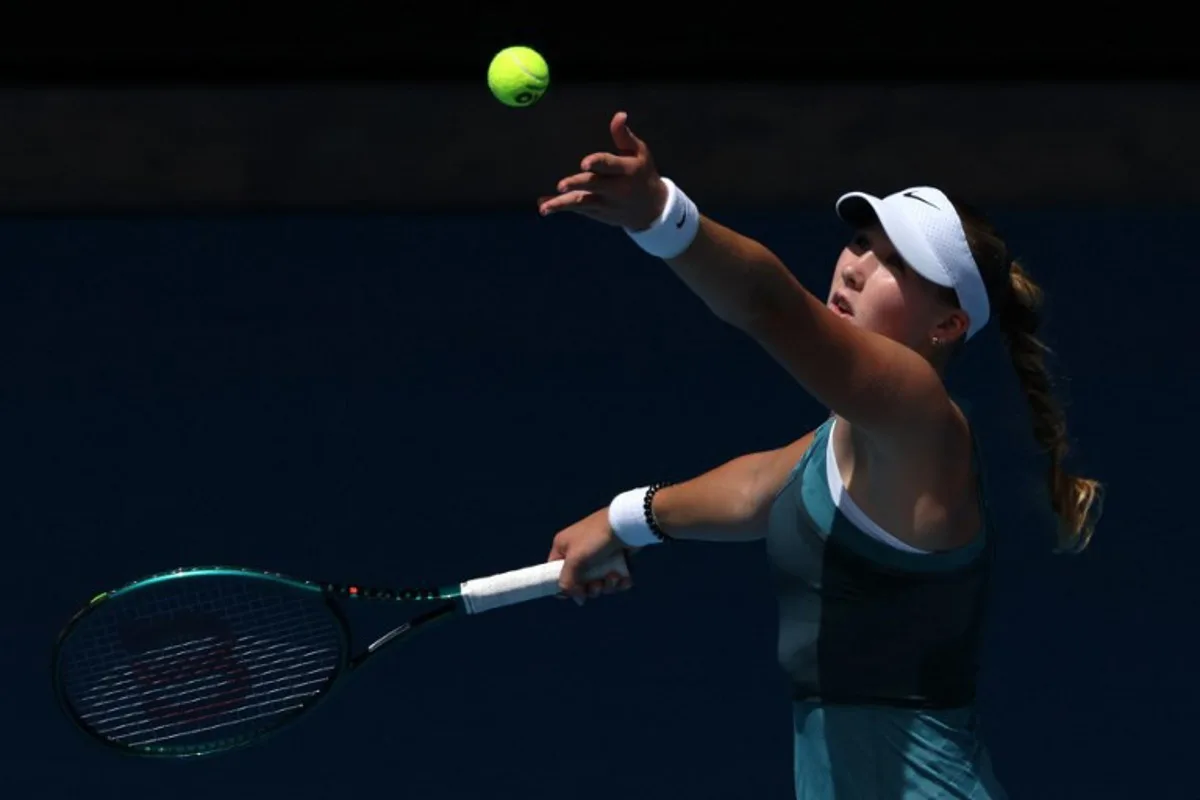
400	631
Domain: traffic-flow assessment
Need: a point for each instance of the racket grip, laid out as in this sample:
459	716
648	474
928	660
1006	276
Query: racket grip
530	583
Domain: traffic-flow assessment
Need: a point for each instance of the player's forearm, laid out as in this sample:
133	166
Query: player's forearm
734	275
726	504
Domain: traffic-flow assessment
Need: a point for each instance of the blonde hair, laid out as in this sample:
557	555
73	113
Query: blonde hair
1072	498
1076	501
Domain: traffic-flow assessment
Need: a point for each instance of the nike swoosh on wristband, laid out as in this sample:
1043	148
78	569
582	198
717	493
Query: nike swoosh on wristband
682	219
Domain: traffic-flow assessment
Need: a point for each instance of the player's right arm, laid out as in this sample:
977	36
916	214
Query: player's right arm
729	503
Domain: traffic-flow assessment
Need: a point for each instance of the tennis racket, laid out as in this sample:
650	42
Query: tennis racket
206	660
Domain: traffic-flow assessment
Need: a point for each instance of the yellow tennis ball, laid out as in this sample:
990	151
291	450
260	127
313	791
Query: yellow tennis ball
518	76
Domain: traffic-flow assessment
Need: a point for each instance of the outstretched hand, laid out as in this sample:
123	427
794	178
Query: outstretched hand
619	188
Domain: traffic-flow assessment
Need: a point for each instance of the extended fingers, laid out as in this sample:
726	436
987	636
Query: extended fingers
591	181
610	164
575	200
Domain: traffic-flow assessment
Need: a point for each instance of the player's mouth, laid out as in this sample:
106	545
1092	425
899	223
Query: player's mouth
840	305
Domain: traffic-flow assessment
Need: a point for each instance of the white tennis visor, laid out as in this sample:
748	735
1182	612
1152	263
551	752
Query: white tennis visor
928	234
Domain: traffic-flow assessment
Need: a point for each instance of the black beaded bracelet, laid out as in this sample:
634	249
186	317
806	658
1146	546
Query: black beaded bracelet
648	509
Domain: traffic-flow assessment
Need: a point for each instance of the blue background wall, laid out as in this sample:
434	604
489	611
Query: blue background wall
399	400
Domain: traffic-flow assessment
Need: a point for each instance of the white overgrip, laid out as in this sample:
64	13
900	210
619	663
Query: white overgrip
529	583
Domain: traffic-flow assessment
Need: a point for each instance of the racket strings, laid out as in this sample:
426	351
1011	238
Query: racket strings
199	661
280	668
154	665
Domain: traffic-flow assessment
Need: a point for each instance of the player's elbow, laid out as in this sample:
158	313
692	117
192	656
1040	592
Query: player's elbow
748	501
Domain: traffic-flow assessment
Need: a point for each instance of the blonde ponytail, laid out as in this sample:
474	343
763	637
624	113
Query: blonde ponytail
1075	500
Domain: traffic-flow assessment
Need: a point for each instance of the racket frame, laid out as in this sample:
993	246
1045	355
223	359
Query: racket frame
451	603
472	597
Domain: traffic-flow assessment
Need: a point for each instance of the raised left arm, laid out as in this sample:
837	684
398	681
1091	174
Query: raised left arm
879	385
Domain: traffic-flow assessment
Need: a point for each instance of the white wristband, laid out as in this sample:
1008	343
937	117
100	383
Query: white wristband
674	230
627	518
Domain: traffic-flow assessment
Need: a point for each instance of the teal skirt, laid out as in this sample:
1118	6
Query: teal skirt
861	753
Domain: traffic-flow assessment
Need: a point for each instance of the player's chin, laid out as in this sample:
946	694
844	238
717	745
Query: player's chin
868	323
853	320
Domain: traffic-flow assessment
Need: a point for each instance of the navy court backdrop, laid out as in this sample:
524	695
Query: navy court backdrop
408	399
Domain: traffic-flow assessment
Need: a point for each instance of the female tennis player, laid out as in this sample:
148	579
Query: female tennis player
876	522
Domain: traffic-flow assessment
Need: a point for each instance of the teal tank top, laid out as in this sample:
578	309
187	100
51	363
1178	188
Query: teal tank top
880	647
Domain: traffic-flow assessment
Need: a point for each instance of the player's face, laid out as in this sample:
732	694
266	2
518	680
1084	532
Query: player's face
874	289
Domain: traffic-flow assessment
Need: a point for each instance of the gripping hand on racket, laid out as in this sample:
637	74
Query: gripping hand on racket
586	542
619	188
